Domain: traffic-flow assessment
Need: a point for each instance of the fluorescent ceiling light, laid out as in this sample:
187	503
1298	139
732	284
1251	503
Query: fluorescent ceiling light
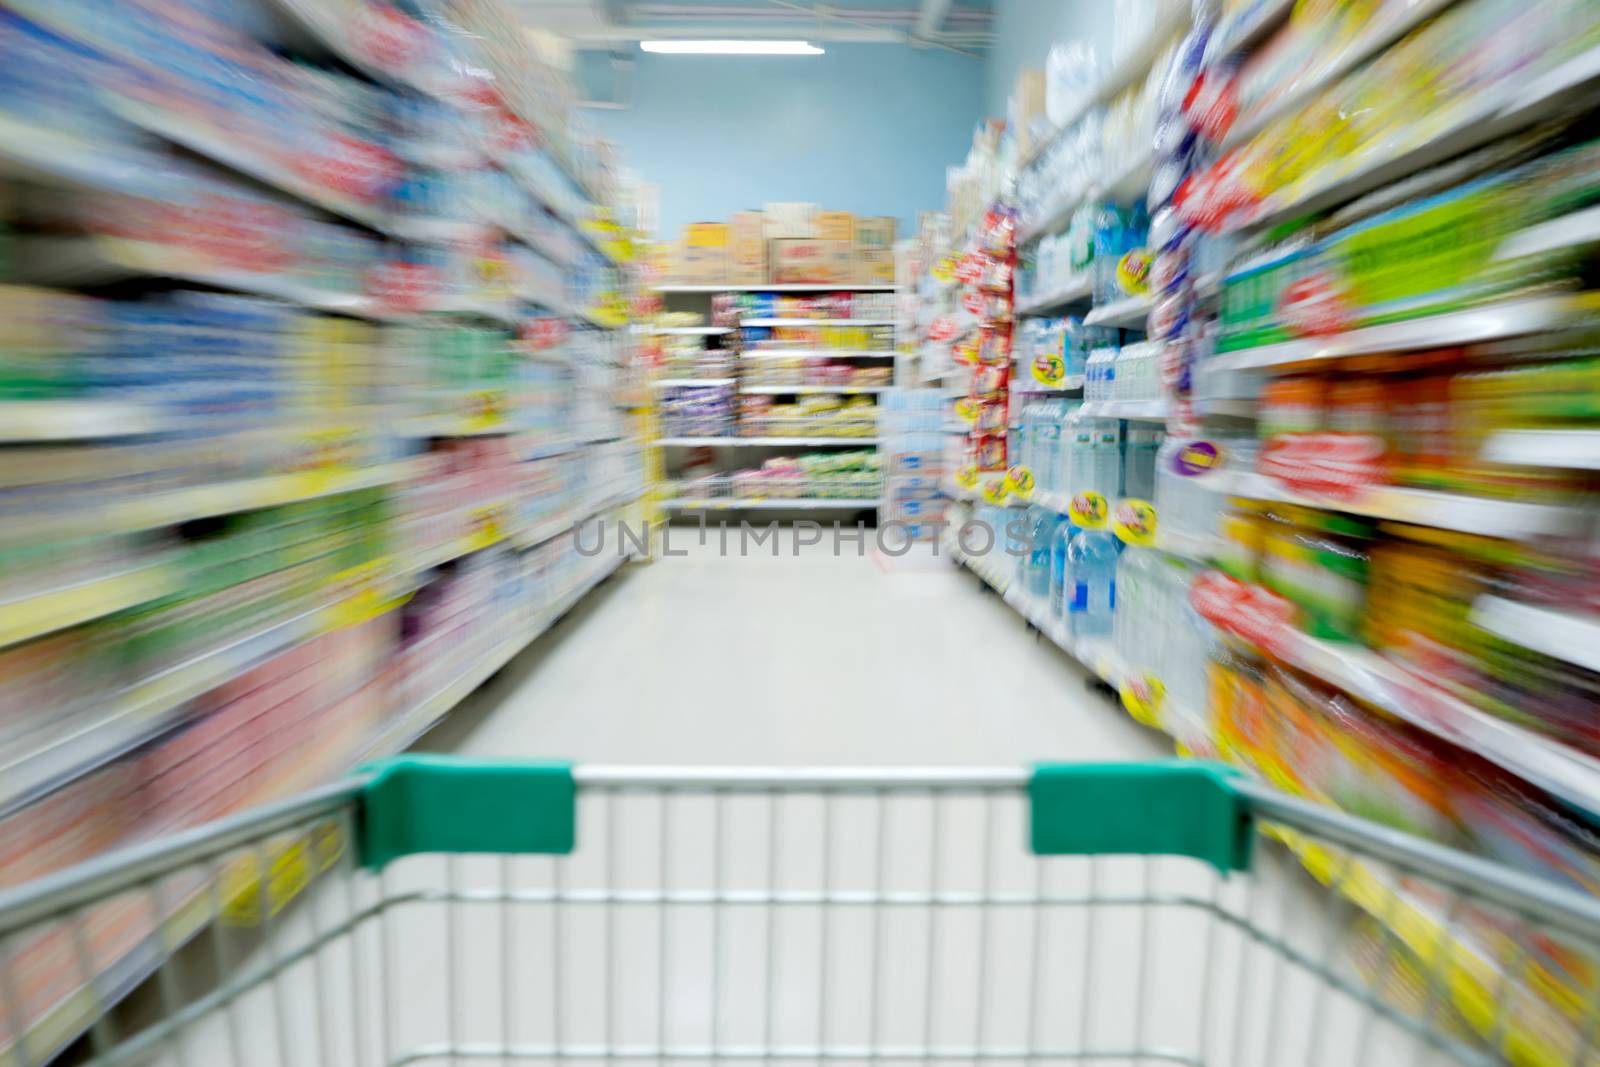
732	48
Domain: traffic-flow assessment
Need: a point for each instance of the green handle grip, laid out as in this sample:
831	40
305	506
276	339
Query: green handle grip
415	804
1164	808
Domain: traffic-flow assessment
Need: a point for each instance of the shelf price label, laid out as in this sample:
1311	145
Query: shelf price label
1049	369
1019	481
944	268
1340	466
995	490
1196	458
1134	522
1144	696
967	476
1257	615
1088	510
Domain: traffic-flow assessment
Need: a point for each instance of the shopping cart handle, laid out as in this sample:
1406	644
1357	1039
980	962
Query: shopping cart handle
415	804
1164	808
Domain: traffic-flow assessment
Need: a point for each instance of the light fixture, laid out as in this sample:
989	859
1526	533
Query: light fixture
732	48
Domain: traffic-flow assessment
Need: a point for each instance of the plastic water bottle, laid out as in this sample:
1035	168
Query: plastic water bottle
1080	460
1139	463
1042	524
1105	460
1138	600
1059	547
1092	583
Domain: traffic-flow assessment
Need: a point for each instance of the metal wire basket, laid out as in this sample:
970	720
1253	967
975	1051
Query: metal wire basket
436	910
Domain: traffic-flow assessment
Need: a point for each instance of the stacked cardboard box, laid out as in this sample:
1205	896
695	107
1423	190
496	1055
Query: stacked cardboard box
786	243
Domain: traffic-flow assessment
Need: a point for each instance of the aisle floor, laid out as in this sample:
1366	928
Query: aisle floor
815	659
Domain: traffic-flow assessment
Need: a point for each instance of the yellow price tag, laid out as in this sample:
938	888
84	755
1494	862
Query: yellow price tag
967	476
1019	480
488	527
995	491
1134	522
1143	697
1088	510
1049	369
250	893
944	268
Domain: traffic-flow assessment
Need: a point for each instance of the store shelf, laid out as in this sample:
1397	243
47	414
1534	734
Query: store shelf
690	331
1073	292
1570	449
1574	230
46	155
819	353
1131	313
425	714
71	261
772	504
75	420
42	613
465	545
803	323
1199	547
951	489
549	528
766	442
683	383
1172	20
783	287
1487	323
1242	35
80	743
1487	516
246	159
782	390
457	426
249	494
1486	117
1072	383
1572	636
1132	410
1310	84
1369	677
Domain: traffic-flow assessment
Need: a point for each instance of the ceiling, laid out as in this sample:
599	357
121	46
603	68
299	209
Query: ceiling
920	23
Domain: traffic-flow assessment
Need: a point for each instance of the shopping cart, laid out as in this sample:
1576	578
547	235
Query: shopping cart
444	911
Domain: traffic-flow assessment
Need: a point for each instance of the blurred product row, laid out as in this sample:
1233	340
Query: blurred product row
1290	433
253	535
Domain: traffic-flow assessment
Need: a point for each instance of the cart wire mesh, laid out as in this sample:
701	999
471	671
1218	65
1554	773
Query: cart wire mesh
774	915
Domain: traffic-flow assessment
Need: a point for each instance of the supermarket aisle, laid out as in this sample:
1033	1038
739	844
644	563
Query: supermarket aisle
816	659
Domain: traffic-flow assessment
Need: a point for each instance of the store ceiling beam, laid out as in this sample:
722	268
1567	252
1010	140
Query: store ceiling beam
931	16
735	31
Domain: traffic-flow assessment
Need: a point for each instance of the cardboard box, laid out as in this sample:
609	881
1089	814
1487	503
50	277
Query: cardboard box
788	221
874	266
702	266
875	232
747	248
1029	120
833	226
706	235
817	262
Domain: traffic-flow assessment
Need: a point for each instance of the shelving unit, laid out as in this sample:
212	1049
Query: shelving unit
199	499
754	378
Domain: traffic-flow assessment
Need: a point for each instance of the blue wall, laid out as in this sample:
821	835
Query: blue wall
864	128
1024	30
